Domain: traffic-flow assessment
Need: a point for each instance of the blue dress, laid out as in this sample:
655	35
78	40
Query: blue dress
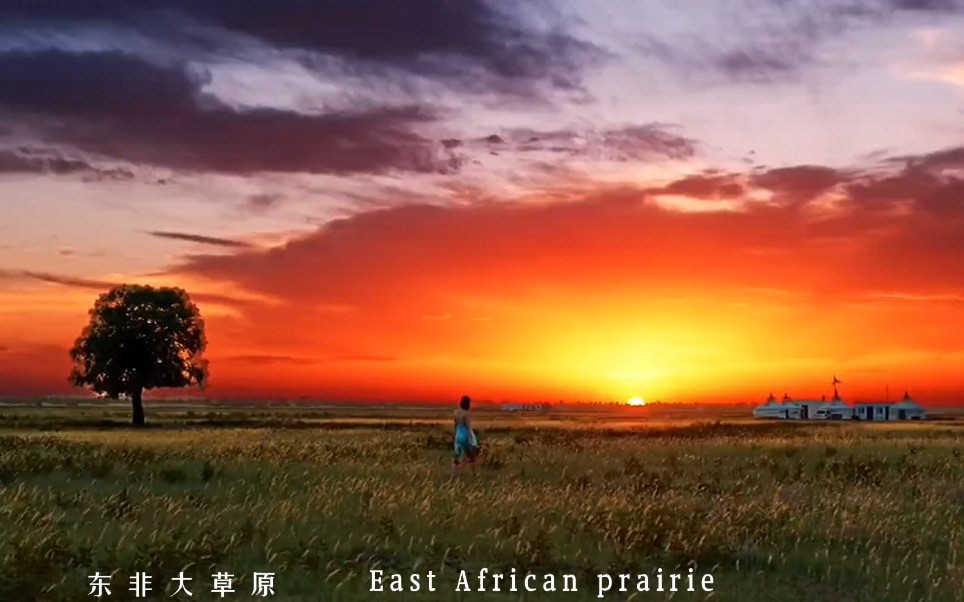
466	443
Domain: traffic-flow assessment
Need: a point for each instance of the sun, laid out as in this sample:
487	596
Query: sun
635	401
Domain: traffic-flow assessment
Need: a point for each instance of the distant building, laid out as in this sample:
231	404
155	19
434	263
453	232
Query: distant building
811	409
524	407
908	409
838	409
775	409
905	409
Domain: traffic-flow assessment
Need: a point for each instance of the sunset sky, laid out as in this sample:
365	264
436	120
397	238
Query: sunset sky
684	200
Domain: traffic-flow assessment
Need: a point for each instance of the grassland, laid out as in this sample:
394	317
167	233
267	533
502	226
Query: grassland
775	511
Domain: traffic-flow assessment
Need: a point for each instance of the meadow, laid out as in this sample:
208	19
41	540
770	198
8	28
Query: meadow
774	511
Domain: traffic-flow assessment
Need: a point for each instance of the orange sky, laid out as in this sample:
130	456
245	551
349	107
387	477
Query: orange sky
605	297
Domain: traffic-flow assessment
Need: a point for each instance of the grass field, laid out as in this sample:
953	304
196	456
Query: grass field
774	511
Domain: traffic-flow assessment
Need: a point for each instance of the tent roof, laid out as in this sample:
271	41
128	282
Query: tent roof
909	404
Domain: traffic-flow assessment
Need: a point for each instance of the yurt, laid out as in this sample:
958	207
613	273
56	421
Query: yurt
811	409
908	409
838	410
790	410
774	409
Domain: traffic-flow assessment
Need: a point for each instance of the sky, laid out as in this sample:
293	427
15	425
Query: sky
680	200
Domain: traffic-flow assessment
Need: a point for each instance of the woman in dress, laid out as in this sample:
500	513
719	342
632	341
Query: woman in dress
466	443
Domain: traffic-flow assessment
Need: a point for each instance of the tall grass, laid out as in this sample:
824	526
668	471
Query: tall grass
773	511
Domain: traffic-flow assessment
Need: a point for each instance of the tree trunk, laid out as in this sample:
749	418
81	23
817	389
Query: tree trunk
138	407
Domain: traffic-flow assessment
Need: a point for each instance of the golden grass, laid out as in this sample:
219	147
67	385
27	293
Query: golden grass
775	511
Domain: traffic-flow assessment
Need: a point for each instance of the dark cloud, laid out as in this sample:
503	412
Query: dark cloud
68	252
789	185
466	35
927	183
765	41
699	61
942	195
273	360
756	64
950	158
29	161
263	202
926	5
704	186
634	142
204	240
115	105
15	162
365	358
774	46
800	182
931	182
408	260
103	285
49	278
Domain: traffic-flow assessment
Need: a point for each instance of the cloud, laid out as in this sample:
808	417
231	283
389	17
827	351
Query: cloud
926	184
70	252
270	360
555	156
104	286
204	240
413	259
918	297
259	203
760	41
48	162
114	105
924	5
791	185
948	158
704	186
930	182
473	42
273	360
775	45
364	358
634	142
49	278
436	317
756	64
799	182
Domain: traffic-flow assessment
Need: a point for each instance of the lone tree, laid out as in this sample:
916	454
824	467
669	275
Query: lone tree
140	337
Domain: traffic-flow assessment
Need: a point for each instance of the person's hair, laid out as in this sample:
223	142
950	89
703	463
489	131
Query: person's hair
465	402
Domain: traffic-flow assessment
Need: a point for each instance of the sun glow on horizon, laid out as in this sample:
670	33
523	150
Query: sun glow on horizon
635	401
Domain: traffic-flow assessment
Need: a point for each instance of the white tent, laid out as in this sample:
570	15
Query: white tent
774	409
790	409
908	409
838	410
811	409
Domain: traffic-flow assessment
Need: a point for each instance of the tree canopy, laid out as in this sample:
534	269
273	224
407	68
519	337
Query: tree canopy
139	338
